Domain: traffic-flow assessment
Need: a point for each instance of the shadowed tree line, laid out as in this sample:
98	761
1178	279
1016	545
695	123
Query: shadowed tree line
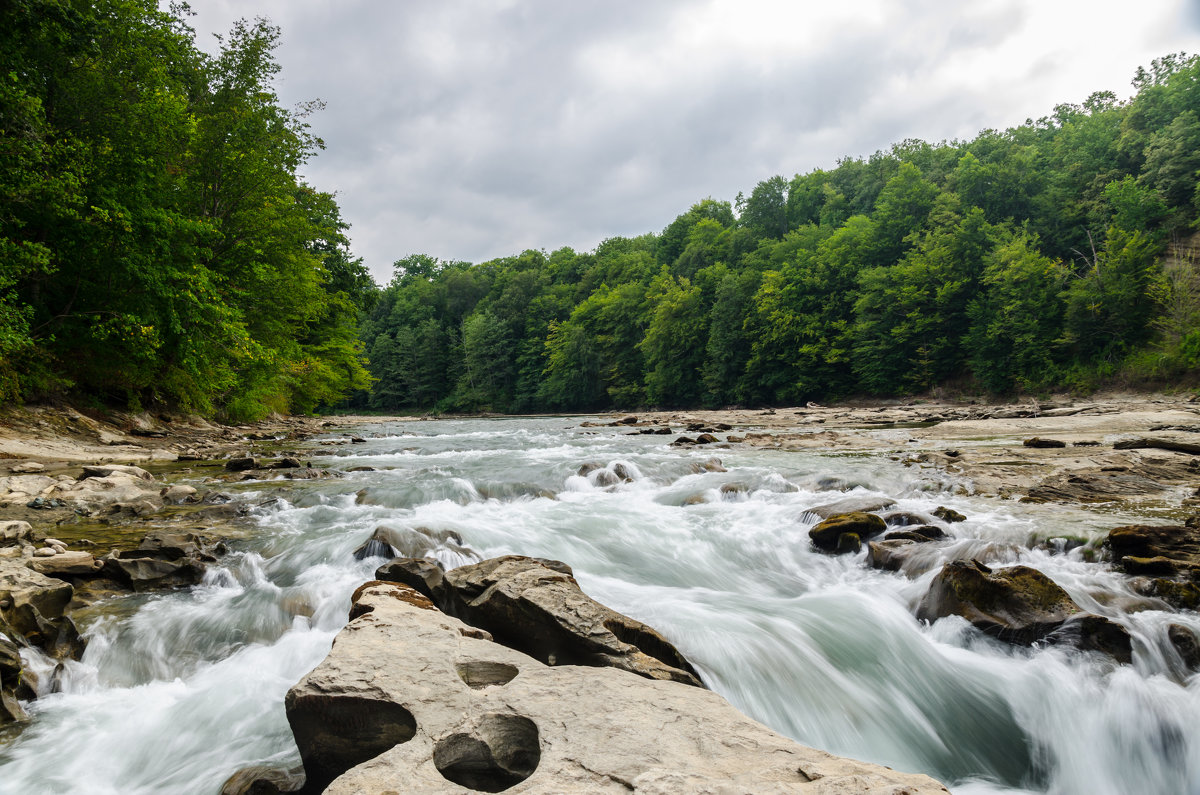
1024	259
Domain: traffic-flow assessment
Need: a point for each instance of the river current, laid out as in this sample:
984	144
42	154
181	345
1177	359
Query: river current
178	690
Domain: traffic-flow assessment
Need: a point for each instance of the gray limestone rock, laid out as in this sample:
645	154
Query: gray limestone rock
434	709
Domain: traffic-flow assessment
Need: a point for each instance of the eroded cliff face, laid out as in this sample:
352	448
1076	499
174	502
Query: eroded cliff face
413	700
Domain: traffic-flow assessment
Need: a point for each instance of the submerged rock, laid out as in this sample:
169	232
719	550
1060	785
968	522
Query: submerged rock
411	700
852	505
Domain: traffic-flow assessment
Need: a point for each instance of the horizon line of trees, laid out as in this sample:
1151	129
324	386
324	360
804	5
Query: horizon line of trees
1021	260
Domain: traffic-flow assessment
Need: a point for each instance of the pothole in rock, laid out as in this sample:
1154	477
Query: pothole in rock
479	674
500	752
336	733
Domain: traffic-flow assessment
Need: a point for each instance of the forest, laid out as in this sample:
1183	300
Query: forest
159	248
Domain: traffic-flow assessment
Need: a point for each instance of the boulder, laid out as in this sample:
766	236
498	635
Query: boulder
410	700
1169	550
288	462
1017	604
827	534
32	605
537	607
241	464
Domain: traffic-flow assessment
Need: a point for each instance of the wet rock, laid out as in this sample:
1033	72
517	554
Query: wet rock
588	468
1017	604
423	575
605	478
623	472
10	678
848	544
1170	550
852	505
363	468
1181	595
262	780
436	710
287	463
142	572
733	491
242	464
1185	644
905	519
1096	633
708	465
918	533
1044	443
408	542
948	514
706	438
537	607
630	420
827	534
889	554
683	440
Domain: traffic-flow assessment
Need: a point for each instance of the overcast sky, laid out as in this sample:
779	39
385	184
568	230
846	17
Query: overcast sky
470	130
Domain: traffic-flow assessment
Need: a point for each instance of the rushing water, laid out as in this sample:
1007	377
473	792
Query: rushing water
178	690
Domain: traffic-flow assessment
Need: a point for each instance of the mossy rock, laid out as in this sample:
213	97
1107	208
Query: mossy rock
1017	604
827	535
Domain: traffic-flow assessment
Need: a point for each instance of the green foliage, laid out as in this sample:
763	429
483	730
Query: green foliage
157	244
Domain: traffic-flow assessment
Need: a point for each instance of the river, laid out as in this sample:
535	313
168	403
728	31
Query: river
178	690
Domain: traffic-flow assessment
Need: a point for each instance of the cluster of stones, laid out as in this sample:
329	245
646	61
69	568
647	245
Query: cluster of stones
1015	603
505	675
41	578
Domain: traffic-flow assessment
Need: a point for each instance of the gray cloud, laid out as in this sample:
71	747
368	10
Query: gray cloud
471	131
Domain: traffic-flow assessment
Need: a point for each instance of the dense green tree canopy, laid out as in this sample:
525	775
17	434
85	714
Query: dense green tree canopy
1024	259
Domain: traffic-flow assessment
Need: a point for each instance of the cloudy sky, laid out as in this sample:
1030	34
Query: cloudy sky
470	130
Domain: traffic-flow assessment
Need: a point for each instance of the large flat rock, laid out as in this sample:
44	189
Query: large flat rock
433	706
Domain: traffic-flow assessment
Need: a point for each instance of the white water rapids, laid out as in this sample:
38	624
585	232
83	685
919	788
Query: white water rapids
178	690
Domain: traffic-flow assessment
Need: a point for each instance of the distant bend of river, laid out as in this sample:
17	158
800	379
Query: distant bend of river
178	690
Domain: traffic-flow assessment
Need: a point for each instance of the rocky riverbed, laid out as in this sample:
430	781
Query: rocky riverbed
92	508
